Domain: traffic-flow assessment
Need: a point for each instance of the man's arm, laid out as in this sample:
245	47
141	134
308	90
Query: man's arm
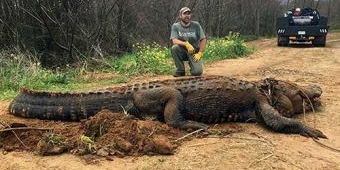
176	41
197	57
202	44
186	44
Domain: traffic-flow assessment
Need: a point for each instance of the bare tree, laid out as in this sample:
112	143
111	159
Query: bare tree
67	31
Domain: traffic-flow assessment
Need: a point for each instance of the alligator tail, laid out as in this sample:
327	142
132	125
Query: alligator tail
66	106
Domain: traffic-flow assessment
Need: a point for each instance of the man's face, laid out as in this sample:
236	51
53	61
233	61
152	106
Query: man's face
185	17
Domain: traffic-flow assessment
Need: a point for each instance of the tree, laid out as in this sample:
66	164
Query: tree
68	31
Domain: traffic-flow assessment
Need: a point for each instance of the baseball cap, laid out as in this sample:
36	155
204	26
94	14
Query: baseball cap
184	9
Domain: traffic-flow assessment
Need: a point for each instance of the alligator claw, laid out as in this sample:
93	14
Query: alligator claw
197	125
313	133
191	125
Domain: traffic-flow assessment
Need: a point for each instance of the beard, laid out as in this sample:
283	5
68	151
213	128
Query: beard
185	20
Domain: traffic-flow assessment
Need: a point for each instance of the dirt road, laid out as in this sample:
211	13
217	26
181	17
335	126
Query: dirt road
254	147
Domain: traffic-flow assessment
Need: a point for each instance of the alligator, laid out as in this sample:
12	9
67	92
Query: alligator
185	103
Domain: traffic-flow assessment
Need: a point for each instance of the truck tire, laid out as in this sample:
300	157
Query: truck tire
282	41
320	41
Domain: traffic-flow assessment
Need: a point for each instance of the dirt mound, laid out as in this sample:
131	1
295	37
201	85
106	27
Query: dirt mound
119	134
105	134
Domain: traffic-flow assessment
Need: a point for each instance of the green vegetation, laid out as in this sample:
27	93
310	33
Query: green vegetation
54	139
18	70
145	60
87	143
231	46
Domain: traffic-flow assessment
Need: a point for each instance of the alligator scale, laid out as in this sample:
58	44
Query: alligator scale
184	103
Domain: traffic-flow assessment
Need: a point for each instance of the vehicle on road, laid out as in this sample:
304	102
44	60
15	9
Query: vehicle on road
302	25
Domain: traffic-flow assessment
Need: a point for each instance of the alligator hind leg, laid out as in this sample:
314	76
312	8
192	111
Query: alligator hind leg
278	123
168	102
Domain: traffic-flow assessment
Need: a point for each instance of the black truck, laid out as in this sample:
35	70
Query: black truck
302	25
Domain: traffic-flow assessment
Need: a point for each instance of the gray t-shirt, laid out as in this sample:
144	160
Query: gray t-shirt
193	33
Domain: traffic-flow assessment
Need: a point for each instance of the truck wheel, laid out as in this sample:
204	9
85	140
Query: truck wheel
282	41
320	41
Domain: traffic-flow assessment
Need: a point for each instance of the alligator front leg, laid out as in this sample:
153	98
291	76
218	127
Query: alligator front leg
169	103
275	121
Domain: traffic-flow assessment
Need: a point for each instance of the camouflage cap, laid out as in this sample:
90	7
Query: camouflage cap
184	9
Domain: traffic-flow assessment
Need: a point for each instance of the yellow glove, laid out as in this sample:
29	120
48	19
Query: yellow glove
197	57
189	47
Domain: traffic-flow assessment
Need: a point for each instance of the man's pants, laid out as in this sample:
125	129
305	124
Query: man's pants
180	54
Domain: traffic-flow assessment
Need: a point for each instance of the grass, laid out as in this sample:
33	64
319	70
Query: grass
54	139
147	59
19	70
88	143
231	46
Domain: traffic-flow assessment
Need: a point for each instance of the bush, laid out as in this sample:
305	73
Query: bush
146	59
231	46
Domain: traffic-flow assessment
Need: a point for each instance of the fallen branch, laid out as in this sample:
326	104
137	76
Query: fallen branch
189	134
15	134
25	128
202	144
326	146
259	160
